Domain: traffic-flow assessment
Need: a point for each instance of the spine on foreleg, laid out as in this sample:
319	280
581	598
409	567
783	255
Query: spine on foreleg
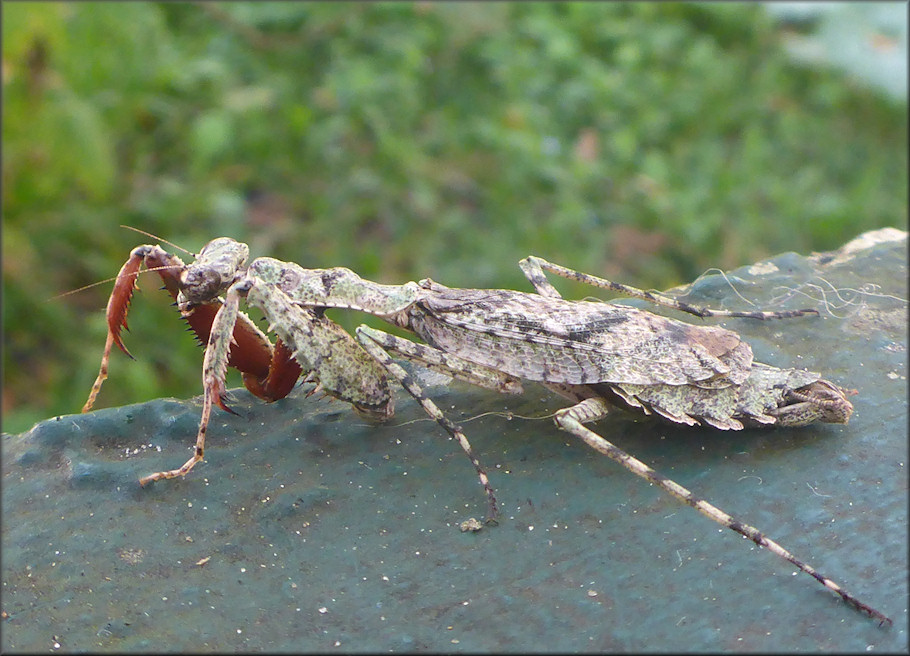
324	350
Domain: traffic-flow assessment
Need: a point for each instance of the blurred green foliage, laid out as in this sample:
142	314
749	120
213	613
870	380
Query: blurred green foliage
645	142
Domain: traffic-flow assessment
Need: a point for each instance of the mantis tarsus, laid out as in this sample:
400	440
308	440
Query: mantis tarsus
594	354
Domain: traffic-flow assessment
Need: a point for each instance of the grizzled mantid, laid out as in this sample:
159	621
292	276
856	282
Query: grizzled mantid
593	353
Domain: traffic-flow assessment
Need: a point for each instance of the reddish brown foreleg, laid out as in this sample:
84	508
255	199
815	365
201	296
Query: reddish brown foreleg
117	307
269	373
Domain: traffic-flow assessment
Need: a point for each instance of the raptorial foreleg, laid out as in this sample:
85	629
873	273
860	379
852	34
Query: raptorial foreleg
268	372
118	304
214	370
325	351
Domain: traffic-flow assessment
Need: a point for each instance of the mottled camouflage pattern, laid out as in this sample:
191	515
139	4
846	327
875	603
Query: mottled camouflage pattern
681	372
641	361
338	287
326	351
576	342
758	401
593	353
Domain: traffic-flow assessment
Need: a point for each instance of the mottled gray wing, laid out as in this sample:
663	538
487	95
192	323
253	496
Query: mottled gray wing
577	342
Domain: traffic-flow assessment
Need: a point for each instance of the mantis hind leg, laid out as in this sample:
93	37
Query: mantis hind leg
534	269
572	419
